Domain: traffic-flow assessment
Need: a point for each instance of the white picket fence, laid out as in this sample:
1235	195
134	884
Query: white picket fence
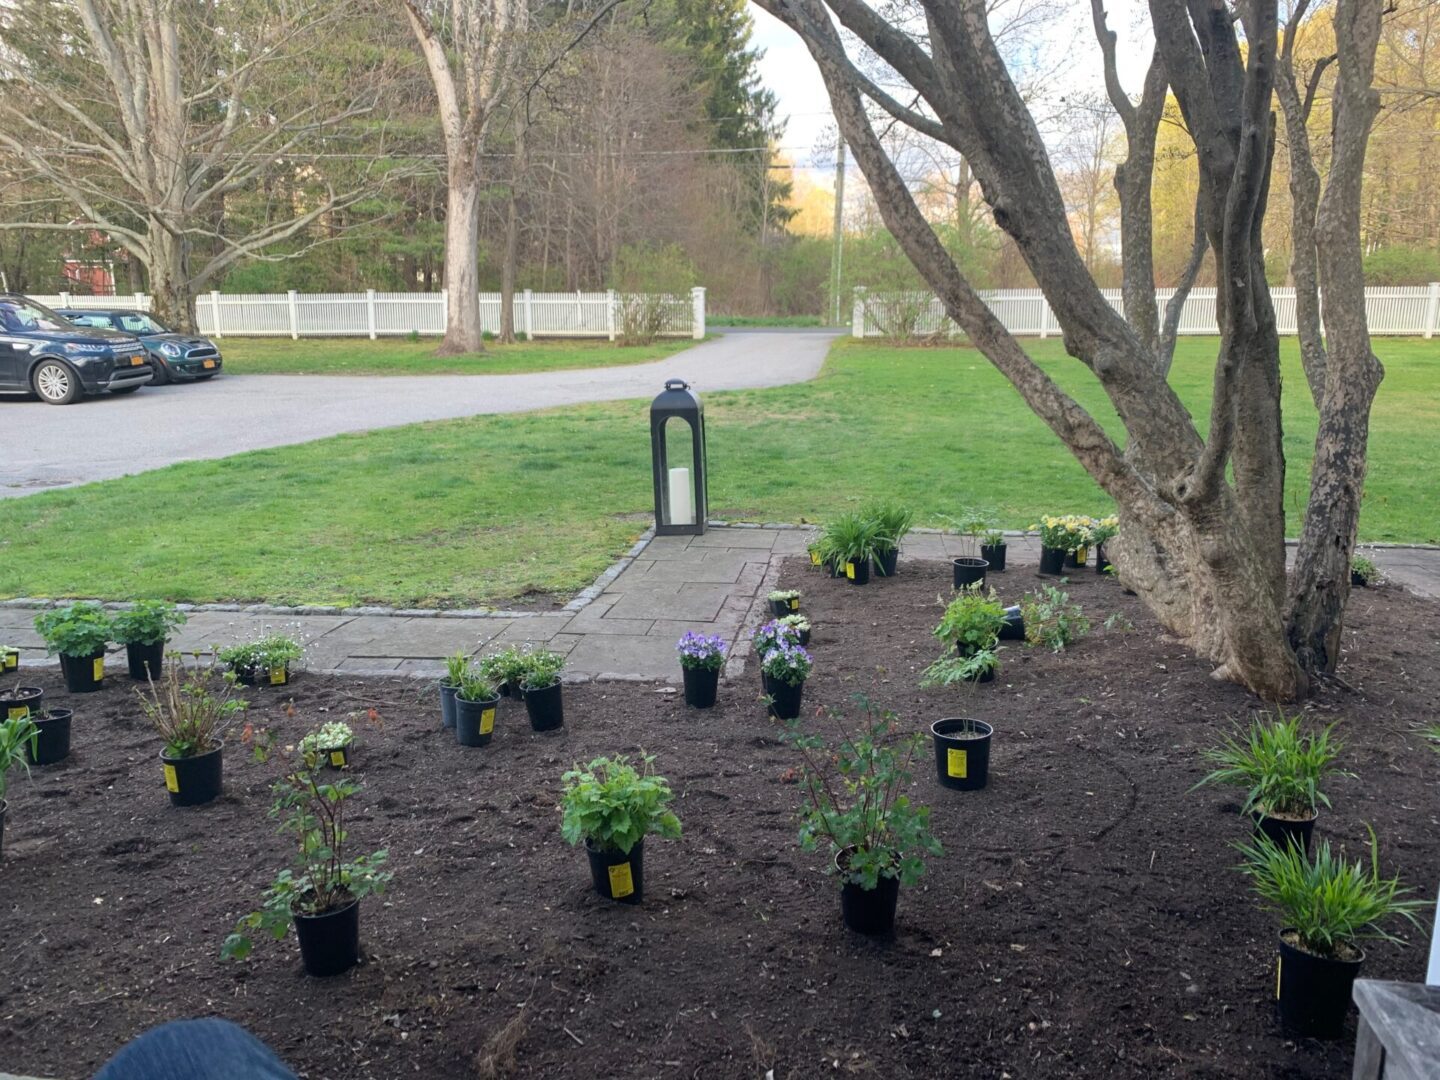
1412	311
377	314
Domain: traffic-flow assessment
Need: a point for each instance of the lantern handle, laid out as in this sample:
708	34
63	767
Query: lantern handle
676	384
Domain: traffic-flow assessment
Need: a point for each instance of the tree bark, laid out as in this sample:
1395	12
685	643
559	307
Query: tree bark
172	298
512	238
463	332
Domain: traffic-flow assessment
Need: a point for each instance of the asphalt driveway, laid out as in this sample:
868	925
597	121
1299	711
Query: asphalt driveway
104	437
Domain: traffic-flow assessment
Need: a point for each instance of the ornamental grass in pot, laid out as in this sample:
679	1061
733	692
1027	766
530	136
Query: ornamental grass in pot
701	658
1327	906
270	660
993	548
456	665
851	541
79	634
476	700
855	808
192	709
784	669
144	628
540	683
1280	767
611	806
892	524
320	895
17	740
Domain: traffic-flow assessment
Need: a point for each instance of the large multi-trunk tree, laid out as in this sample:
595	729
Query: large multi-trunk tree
153	119
1203	516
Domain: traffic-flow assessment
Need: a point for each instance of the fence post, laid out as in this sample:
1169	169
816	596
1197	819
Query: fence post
1044	318
370	311
64	299
1432	309
610	313
215	311
294	316
697	316
857	314
141	303
529	315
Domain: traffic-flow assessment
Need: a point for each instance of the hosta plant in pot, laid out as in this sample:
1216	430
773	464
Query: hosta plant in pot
144	629
476	700
783	602
321	895
701	658
17	740
542	689
328	745
1280	767
1327	906
267	661
192	709
855	808
456	665
799	625
1100	531
892	524
611	806
79	633
784	670
851	539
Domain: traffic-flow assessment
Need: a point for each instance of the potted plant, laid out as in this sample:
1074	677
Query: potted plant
476	700
783	601
268	660
1326	907
321	895
9	658
191	709
542	689
969	568
701	658
79	633
1059	536
143	629
21	702
993	548
784	670
52	737
456	666
328	745
851	540
1101	530
505	669
854	806
17	738
971	624
799	625
1281	770
1052	619
892	524
611	806
1363	571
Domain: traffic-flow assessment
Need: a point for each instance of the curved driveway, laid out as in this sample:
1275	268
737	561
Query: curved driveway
105	437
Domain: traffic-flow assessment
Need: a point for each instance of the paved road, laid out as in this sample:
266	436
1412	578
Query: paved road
105	437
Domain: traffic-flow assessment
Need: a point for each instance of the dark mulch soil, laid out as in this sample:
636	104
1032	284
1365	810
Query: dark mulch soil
1084	921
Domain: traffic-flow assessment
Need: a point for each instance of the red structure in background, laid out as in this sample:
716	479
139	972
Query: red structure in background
91	271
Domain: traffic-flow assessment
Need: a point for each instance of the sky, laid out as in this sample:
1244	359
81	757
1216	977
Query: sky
788	70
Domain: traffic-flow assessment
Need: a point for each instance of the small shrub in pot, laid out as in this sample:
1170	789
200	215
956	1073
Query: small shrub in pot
611	807
971	624
17	740
192	709
542	688
79	634
328	745
1052	619
144	629
268	660
701	658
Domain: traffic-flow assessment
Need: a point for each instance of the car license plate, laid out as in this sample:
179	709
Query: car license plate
136	361
208	364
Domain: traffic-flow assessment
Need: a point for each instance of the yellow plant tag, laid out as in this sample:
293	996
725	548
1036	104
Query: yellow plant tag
18	712
99	668
957	763
337	758
621	883
12	661
1279	961
172	782
279	676
487	721
814	558
795	603
850	570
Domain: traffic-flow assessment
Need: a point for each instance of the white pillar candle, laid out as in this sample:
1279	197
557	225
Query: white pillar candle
682	507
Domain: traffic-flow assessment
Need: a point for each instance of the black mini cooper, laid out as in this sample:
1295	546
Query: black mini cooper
173	356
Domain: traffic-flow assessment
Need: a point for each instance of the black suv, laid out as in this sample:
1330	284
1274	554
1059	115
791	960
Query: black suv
43	354
173	356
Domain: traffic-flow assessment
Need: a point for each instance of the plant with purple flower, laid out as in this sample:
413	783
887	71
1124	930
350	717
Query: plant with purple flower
771	634
787	662
700	651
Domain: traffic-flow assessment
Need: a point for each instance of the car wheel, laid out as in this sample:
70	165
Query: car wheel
162	372
126	390
56	383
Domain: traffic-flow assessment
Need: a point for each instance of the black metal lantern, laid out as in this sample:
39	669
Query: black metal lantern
680	500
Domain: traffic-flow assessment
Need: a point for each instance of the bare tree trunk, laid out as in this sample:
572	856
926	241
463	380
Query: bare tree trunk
172	298
462	274
512	238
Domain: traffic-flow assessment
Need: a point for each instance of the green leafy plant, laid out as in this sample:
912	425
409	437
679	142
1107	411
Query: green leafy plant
322	879
1365	569
474	686
796	623
191	708
1433	734
613	806
783	596
149	622
991	537
335	735
850	538
972	620
1280	766
854	804
952	669
542	669
1328	902
892	523
273	652
456	665
82	629
1052	619
506	666
969	525
15	736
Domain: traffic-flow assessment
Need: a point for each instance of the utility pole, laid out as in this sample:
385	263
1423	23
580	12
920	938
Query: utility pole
838	241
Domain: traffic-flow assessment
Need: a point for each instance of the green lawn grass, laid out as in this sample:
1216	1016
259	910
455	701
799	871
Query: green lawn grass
489	508
351	356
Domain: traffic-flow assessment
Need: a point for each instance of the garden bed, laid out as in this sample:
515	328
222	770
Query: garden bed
1082	922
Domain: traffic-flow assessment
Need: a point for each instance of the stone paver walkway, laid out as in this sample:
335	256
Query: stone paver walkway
713	584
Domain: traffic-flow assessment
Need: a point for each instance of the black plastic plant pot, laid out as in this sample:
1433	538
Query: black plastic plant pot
506	690
52	743
546	707
1052	560
994	554
868	911
447	706
887	561
1359	581
21	702
329	943
336	757
193	781
962	752
475	721
9	658
1314	991
857	571
834	569
262	676
3	807
701	685
781	608
969	571
1077	558
617	876
83	674
1013	629
804	637
146	661
1286	831
784	698
1102	564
